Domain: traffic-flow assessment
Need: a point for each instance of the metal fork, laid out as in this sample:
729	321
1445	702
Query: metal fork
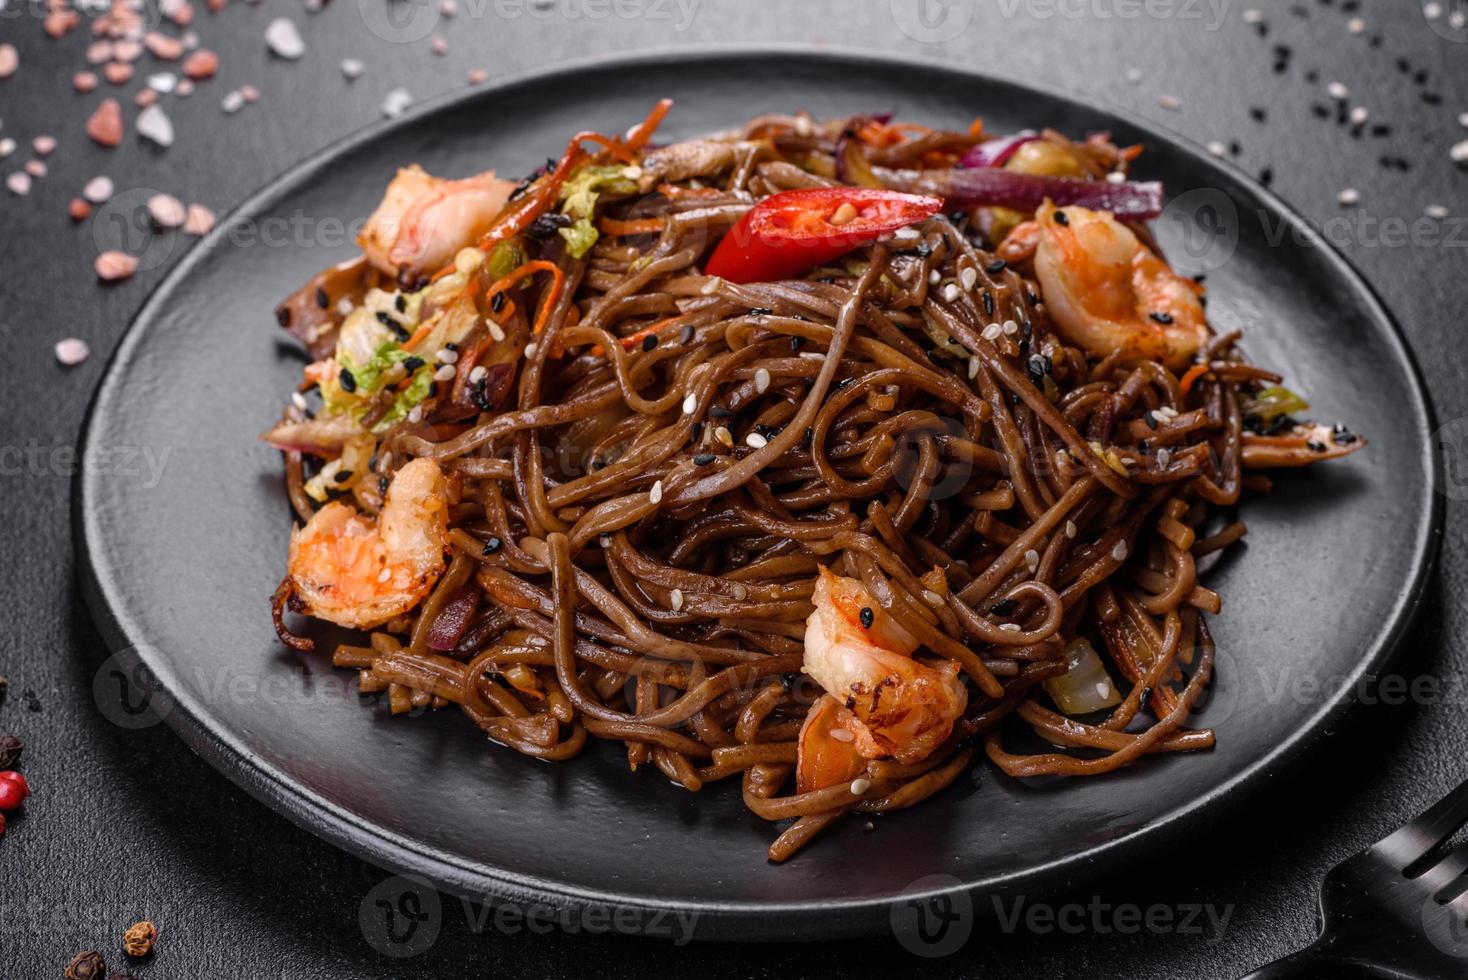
1398	909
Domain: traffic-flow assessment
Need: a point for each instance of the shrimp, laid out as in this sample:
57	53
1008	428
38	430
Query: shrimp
354	571
888	703
423	221
1108	292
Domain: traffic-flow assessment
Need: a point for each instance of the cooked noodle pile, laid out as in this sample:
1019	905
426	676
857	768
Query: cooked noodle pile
646	474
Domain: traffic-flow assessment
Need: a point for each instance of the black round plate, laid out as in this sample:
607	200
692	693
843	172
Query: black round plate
178	570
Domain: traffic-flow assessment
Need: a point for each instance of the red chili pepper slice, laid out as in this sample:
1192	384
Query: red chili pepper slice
790	232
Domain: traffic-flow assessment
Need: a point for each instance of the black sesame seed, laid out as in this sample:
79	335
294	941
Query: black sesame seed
342	476
1144	698
988	304
283	315
1315	447
450	345
433	389
760	311
1150	419
718	411
703	459
1257	113
1343	436
686	334
696	431
497	303
400	303
322	300
347	381
996	267
810	436
491	546
796	342
868	617
1004	607
1161	316
382	483
1061	218
412	364
923	250
650	341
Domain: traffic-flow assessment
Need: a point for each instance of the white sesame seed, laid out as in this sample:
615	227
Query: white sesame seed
478	374
934	277
1010	327
1116	177
1070	529
396	103
605	540
1435	211
724	436
1170	102
1119	552
446	356
633	172
968	277
72	351
7	147
1217	149
352	68
860	786
1032	559
676	599
950	293
1337	91
1463	119
1432	10
842	735
973	368
762	380
656	493
495	330
1459	152
19	182
444	373
1164	456
384	575
906	235
756	441
344	306
467	259
1359	115
1009	627
1356	25
1349	196
416	415
1253	16
712	286
298	400
803	125
690	404
530	349
932	598
992	331
1457	20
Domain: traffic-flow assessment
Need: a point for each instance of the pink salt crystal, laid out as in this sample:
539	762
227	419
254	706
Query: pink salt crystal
163	47
127	51
84	81
114	266
201	64
71	351
36	168
478	76
249	93
43	144
98	52
105	124
145	98
167	210
117	72
9	60
199	220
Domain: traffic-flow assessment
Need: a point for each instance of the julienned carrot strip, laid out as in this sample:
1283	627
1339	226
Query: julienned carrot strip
632	340
638	136
1191	376
640	226
558	280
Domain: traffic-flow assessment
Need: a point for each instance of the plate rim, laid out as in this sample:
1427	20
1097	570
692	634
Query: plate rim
753	919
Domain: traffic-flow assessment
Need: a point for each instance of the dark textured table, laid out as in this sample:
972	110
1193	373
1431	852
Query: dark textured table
130	824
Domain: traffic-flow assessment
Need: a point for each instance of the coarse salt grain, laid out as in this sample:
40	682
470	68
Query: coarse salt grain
1349	196
1134	75
1356	25
71	351
84	81
1253	16
299	400
284	38
478	76
36	168
232	102
78	209
98	190
1432	10
1337	91
9	60
396	103
439	46
167	210
1217	149
1171	102
1435	211
115	266
153	124
198	220
1359	115
352	68
19	182
1459	152
43	145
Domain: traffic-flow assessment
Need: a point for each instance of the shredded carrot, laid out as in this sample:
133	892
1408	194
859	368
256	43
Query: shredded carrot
639	135
1130	153
632	340
976	128
1191	376
641	226
424	329
558	280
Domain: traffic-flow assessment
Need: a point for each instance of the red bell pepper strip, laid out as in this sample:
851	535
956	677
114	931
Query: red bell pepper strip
793	231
